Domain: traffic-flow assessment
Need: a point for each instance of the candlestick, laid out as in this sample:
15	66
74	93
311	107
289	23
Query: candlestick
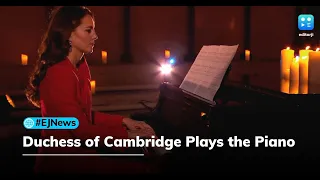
104	57
93	87
167	54
303	70
24	59
247	55
294	76
314	72
286	58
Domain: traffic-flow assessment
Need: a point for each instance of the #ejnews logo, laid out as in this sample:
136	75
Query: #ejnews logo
51	123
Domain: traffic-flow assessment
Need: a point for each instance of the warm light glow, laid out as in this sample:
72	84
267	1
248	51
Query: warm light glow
24	59
167	54
296	59
317	49
104	57
93	86
247	55
10	101
166	69
308	47
203	114
288	48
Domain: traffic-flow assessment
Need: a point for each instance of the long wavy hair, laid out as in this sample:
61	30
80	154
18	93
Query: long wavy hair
55	45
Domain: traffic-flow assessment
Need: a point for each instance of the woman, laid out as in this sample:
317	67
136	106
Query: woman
60	86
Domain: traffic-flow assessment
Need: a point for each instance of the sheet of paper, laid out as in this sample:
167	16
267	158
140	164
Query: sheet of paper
207	71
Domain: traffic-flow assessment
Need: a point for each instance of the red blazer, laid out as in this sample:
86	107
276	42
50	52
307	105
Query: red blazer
66	92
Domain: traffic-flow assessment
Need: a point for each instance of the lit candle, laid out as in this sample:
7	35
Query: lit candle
104	57
284	83
303	70
314	72
93	86
294	76
24	59
247	55
286	58
167	54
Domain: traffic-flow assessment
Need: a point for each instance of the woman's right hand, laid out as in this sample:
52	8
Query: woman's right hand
143	133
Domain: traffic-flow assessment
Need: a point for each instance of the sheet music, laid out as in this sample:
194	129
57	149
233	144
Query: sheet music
207	71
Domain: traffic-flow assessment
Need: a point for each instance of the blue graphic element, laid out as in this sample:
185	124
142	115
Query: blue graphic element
51	123
306	22
172	61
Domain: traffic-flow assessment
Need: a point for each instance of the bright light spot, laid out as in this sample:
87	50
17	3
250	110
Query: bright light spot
171	61
10	101
166	68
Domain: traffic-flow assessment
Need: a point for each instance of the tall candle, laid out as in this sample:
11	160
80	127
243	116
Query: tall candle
24	59
247	55
314	72
93	87
303	70
167	54
285	84
286	58
294	76
104	57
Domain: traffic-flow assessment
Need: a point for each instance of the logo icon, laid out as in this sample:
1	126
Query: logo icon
306	22
51	123
28	123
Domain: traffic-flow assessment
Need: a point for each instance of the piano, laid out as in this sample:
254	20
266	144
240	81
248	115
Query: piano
261	116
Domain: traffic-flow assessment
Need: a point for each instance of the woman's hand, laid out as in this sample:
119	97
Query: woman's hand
133	124
143	133
138	127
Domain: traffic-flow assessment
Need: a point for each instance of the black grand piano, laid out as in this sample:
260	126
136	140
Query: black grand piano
286	128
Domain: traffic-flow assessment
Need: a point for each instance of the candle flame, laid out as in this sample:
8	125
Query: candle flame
308	47
166	53
288	48
296	59
104	53
10	101
317	49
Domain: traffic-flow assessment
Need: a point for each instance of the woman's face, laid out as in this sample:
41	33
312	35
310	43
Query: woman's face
84	36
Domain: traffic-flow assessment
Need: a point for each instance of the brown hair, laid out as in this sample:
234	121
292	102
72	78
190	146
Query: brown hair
55	45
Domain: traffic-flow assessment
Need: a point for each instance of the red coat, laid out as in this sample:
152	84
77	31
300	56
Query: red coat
66	92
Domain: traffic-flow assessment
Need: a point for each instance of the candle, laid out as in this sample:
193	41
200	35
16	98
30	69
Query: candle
294	76
167	54
93	86
303	70
247	55
294	87
314	72
285	84
24	59
286	58
104	57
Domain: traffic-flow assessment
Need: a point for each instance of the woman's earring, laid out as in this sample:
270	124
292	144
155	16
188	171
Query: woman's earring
70	46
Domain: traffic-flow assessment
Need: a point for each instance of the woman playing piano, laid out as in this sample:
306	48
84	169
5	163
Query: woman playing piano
60	86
